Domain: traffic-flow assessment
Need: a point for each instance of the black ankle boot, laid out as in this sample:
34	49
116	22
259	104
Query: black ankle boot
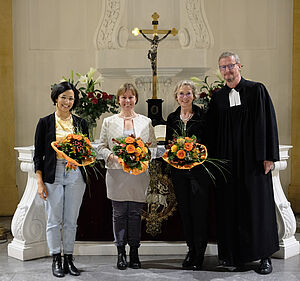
121	263
188	261
200	248
134	261
69	267
57	269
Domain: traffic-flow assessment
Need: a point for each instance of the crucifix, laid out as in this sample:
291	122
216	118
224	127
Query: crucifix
154	104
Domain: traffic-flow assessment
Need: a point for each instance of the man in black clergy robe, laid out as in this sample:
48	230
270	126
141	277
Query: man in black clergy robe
243	129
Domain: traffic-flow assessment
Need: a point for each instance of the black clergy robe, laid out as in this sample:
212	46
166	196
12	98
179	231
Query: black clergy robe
246	135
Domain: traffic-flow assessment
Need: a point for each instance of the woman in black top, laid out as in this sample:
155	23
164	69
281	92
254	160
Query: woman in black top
61	190
191	186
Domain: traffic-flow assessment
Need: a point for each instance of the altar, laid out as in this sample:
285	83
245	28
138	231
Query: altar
94	235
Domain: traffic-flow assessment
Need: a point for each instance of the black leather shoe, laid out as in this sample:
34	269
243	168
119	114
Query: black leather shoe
265	266
69	267
121	263
57	269
134	261
188	261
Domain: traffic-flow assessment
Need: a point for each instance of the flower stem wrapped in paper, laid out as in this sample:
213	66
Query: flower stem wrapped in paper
76	149
186	153
133	153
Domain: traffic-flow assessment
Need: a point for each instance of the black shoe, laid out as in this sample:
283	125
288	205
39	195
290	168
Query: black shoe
265	266
188	261
57	269
134	261
197	262
69	267
121	263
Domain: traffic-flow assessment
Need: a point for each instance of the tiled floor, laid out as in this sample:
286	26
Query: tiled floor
158	268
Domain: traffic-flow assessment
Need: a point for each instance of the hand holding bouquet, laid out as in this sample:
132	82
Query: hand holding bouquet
76	149
185	153
133	153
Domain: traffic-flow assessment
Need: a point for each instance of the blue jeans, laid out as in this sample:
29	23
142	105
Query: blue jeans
127	222
62	207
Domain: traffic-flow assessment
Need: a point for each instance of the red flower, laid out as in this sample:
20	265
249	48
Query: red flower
110	97
105	96
94	100
90	95
98	96
203	95
214	90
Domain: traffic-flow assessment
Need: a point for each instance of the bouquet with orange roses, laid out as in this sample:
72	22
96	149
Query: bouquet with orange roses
185	153
76	149
133	153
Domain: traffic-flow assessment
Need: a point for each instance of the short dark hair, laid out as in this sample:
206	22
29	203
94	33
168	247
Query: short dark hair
127	87
62	87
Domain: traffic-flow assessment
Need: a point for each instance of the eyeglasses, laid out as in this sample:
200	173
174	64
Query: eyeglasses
182	95
230	66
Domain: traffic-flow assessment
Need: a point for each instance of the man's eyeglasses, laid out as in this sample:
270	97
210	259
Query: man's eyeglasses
230	66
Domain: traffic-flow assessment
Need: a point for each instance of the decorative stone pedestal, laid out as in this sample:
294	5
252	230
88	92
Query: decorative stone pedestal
29	222
286	221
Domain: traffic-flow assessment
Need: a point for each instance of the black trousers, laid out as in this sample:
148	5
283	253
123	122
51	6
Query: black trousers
127	222
192	191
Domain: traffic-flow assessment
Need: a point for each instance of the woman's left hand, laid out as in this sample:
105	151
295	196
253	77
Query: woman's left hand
71	166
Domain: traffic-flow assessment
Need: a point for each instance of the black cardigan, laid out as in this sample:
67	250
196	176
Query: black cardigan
44	155
195	126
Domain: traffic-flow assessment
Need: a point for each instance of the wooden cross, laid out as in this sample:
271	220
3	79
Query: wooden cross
152	53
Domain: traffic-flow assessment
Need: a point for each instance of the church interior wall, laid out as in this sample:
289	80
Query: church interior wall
51	38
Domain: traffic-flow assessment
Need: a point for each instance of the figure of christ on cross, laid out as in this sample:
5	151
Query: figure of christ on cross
152	53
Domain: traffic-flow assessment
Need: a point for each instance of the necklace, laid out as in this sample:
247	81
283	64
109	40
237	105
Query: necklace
127	117
64	118
187	118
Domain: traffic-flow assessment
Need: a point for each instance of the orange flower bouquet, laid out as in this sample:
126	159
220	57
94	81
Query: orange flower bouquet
133	153
185	153
76	149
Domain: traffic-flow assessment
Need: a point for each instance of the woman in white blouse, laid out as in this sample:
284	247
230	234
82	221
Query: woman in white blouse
61	191
127	192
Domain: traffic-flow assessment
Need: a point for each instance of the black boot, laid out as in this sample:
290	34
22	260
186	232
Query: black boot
200	248
57	269
188	261
134	261
69	267
265	266
121	263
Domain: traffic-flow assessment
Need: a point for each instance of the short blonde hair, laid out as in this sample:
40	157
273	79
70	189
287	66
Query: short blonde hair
185	83
127	87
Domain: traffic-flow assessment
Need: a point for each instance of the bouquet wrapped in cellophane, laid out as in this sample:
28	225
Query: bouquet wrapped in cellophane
76	149
133	154
185	153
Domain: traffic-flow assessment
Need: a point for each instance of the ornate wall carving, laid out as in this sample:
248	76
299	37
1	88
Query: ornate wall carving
194	29
110	35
